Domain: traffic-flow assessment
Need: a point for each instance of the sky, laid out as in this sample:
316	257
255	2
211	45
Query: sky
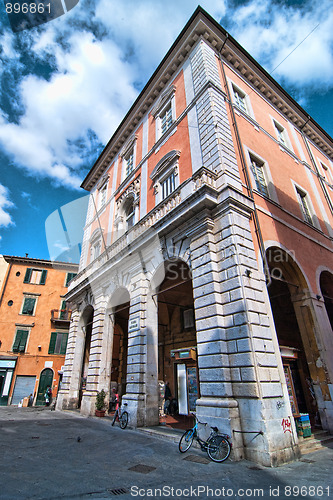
66	85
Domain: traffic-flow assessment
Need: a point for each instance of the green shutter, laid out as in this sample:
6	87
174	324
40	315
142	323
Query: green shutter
28	306
43	277
69	277
23	341
63	343
52	342
20	341
27	276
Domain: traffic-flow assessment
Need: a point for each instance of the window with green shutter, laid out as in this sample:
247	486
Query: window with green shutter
58	343
28	306
20	340
35	276
69	277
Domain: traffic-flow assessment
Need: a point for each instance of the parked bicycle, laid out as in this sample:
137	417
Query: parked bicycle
217	445
122	416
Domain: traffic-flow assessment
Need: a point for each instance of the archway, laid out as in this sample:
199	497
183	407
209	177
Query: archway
86	325
177	343
326	287
45	381
286	292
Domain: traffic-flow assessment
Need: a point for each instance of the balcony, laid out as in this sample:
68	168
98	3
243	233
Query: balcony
61	317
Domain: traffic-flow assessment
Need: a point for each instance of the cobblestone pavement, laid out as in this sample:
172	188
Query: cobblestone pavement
48	455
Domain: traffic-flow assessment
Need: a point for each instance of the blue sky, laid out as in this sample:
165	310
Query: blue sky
65	86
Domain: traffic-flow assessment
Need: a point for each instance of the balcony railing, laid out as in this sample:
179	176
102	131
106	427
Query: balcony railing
61	315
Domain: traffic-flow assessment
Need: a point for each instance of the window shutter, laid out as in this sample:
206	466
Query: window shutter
23	341
27	276
63	343
69	277
43	277
17	341
52	342
28	306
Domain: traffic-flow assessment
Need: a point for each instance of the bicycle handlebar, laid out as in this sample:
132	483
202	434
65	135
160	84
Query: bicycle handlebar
196	418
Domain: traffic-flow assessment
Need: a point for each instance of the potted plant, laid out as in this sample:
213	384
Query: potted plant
100	403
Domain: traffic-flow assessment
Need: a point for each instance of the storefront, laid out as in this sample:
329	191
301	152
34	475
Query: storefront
7	366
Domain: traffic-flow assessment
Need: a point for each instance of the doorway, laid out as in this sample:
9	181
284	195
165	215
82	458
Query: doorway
45	381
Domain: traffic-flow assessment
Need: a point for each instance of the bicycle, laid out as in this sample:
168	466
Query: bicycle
122	416
217	445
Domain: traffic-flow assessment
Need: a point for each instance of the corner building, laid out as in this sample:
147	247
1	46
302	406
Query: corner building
207	253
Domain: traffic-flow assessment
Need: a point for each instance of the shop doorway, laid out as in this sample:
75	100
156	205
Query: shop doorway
119	349
45	381
87	317
177	345
326	287
285	287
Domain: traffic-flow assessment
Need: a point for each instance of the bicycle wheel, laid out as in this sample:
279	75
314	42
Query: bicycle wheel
218	448
186	440
123	420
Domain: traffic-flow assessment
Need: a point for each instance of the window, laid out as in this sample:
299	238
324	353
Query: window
239	98
166	119
130	214
129	162
28	307
281	134
58	343
20	341
164	111
257	168
35	276
165	176
168	185
69	278
102	195
303	201
96	250
63	310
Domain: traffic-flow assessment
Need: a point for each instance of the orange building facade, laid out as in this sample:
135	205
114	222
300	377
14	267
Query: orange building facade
34	324
207	254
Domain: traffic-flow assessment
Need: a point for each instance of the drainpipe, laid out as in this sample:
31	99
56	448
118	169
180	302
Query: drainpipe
257	227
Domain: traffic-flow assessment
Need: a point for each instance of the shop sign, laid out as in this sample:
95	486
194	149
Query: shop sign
7	364
133	324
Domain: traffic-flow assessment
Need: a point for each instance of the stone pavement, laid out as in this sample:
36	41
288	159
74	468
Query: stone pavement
52	455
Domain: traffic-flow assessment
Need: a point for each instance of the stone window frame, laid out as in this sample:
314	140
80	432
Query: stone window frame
281	134
130	195
165	102
128	150
308	213
325	171
95	244
167	166
236	89
272	194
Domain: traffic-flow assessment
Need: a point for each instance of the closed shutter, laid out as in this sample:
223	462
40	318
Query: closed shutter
63	343
43	277
24	386
52	342
20	341
27	276
28	306
69	277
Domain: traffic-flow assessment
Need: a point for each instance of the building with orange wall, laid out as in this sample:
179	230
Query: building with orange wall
207	254
34	324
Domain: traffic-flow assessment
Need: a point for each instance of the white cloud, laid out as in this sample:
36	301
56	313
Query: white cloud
95	79
5	204
271	31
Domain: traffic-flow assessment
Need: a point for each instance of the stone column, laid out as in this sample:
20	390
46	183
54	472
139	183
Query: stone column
95	359
68	395
142	374
240	382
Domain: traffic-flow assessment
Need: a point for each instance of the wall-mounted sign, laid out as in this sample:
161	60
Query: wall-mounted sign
7	364
133	324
